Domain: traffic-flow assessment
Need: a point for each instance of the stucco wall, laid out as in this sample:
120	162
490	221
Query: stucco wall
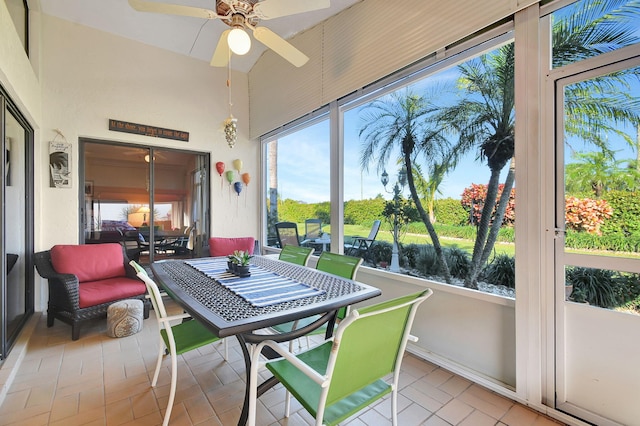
88	77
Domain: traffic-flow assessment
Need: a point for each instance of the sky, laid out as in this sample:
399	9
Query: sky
310	183
310	147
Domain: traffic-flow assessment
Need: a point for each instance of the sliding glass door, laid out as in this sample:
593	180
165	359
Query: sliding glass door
154	201
16	282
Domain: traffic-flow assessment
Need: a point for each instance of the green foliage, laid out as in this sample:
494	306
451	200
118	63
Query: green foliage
628	291
382	251
403	210
296	211
598	172
363	212
625	219
506	234
458	260
501	271
410	253
449	211
427	261
614	242
360	212
621	232
597	286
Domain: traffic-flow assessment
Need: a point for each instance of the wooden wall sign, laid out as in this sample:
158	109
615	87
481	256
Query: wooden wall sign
143	129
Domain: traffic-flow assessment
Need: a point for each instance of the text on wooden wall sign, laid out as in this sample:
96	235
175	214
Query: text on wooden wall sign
143	129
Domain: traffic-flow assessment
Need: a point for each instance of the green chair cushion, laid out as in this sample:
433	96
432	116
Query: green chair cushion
189	335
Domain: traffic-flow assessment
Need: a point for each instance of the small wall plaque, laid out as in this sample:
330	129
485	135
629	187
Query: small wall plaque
143	129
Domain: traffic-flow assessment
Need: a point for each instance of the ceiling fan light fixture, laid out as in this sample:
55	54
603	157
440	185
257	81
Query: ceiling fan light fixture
239	41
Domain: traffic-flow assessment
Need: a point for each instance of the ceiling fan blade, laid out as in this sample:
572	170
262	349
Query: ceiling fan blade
269	9
172	9
221	55
279	45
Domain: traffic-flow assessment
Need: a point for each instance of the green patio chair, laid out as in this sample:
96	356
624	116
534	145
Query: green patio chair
341	376
296	254
333	263
178	339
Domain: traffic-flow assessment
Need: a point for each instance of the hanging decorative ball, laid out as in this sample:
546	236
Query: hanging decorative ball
230	176
238	187
231	130
220	167
237	164
246	178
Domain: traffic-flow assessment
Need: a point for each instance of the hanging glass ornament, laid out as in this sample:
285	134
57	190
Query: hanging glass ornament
231	130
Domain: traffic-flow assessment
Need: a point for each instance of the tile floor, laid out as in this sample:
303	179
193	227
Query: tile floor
99	380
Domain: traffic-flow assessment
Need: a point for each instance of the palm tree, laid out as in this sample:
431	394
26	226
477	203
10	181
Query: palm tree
402	120
484	118
428	187
599	172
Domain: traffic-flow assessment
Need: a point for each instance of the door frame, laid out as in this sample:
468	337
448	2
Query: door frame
203	229
565	312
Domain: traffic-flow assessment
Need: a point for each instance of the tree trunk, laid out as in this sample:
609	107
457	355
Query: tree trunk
423	215
483	229
430	206
499	217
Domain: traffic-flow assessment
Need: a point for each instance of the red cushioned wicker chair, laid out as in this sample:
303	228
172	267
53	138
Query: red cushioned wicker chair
85	279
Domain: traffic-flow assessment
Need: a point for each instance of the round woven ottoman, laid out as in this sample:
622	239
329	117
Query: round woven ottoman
124	318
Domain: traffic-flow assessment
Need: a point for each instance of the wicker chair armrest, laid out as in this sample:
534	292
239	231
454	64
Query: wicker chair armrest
64	291
43	265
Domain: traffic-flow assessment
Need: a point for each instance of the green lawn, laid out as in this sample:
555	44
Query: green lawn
385	235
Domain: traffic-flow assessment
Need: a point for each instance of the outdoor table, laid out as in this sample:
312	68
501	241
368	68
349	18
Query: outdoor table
324	240
205	291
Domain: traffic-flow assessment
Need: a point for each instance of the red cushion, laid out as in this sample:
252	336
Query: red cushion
94	293
219	246
89	262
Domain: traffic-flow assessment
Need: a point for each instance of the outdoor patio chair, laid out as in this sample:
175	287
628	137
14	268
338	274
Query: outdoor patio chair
295	254
361	246
312	231
337	264
287	233
331	381
178	339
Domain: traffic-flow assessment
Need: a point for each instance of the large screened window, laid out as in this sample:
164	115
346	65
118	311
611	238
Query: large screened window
434	154
427	156
298	174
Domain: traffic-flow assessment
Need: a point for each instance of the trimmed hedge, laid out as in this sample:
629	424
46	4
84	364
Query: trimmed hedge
449	211
625	219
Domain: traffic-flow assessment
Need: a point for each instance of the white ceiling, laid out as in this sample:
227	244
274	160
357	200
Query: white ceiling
188	36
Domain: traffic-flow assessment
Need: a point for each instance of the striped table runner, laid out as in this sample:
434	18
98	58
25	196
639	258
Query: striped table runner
262	288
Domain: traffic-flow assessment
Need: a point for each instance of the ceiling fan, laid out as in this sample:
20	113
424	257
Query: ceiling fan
241	14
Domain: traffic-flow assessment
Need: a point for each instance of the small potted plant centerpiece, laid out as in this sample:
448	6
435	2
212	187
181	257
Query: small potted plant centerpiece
231	264
242	263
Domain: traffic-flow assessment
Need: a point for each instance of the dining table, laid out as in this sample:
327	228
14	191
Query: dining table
275	292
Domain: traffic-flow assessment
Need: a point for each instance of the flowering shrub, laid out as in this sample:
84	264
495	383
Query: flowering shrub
586	214
473	201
